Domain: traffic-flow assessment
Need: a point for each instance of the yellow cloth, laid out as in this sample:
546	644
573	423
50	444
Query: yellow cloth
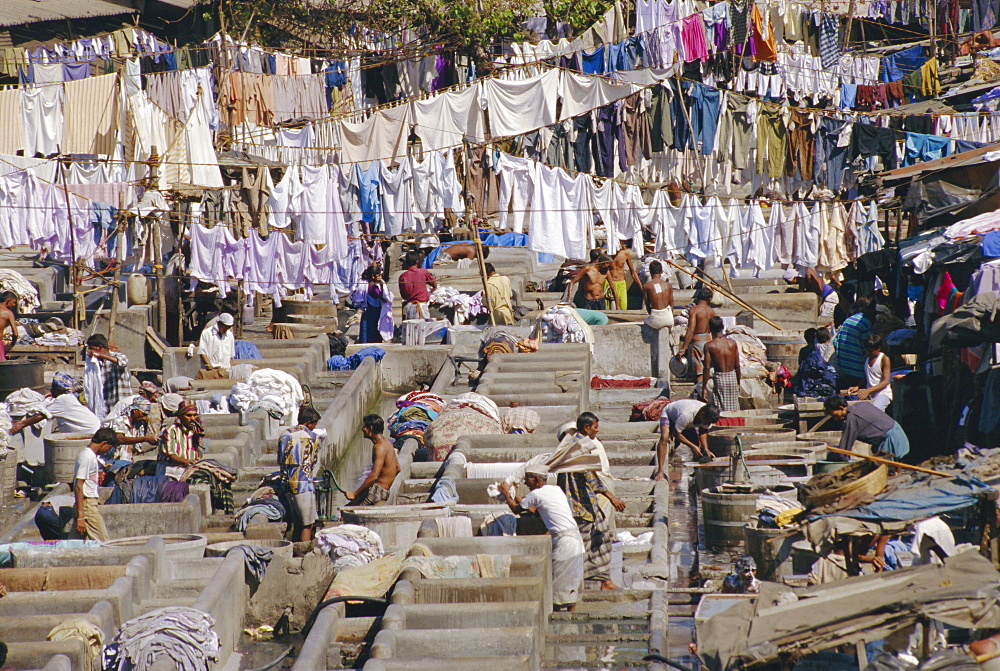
82	629
498	292
620	289
931	85
785	517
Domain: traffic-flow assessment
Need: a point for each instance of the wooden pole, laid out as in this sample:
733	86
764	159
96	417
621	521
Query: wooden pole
161	287
74	276
475	235
119	260
890	462
722	290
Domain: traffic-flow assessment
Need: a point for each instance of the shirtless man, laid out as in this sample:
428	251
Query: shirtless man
375	489
8	301
616	276
462	250
722	364
590	296
697	331
659	297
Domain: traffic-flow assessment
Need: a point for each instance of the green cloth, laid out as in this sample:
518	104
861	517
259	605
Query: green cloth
662	131
593	317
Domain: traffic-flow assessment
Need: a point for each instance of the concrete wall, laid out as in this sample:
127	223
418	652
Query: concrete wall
151	519
631	349
405	368
130	331
342	419
225	599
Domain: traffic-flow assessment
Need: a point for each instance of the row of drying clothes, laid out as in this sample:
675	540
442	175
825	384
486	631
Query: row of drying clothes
123	43
822	234
111	116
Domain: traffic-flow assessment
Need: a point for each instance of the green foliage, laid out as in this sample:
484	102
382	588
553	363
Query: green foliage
471	27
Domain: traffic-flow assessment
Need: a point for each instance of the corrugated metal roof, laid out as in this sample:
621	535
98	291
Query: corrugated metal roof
20	12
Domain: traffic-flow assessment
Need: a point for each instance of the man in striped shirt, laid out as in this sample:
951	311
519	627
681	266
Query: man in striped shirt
180	442
849	343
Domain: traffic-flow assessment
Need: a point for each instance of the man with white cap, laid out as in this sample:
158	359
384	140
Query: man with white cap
217	347
567	546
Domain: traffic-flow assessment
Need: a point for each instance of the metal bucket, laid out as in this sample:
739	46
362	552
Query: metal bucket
727	508
722	441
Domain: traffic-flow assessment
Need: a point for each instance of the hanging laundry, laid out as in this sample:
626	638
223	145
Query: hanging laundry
762	37
569	234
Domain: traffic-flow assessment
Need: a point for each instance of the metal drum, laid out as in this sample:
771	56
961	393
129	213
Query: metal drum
21	373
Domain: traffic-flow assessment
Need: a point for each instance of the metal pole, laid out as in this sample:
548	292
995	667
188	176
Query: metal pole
74	277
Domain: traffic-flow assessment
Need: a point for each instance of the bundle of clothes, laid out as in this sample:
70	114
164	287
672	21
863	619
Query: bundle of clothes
774	511
51	332
276	392
349	545
184	635
341	362
416	411
148	489
244	349
562	323
648	411
464	306
269	502
468	414
219	477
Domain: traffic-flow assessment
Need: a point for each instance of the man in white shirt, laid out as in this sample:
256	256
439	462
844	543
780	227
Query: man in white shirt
217	347
567	546
86	480
685	422
68	415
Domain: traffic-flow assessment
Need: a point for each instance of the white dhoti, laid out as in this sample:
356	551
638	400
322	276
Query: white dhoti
660	319
465	263
567	567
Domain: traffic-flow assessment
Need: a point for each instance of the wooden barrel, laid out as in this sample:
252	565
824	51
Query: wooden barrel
810	451
771	549
784	349
726	509
315	308
61	451
832	439
722	441
709	477
787	465
21	373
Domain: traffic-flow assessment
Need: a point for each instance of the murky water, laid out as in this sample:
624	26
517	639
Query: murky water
689	560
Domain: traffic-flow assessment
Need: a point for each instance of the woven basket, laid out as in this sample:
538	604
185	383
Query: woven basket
868	477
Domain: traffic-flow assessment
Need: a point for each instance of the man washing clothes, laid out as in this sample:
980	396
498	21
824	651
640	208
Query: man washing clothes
463	252
722	367
375	488
659	297
499	293
567	546
64	409
217	348
685	422
865	422
698	332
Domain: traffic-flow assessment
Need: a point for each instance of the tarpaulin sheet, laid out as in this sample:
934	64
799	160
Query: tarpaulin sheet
920	499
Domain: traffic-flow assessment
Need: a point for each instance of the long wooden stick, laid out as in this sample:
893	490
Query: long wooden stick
889	462
722	290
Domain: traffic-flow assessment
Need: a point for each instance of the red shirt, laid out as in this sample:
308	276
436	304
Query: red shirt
413	285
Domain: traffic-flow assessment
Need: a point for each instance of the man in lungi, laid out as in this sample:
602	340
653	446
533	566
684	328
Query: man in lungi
722	366
567	547
659	296
584	489
697	331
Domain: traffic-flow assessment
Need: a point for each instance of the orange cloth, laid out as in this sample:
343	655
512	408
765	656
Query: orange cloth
764	49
